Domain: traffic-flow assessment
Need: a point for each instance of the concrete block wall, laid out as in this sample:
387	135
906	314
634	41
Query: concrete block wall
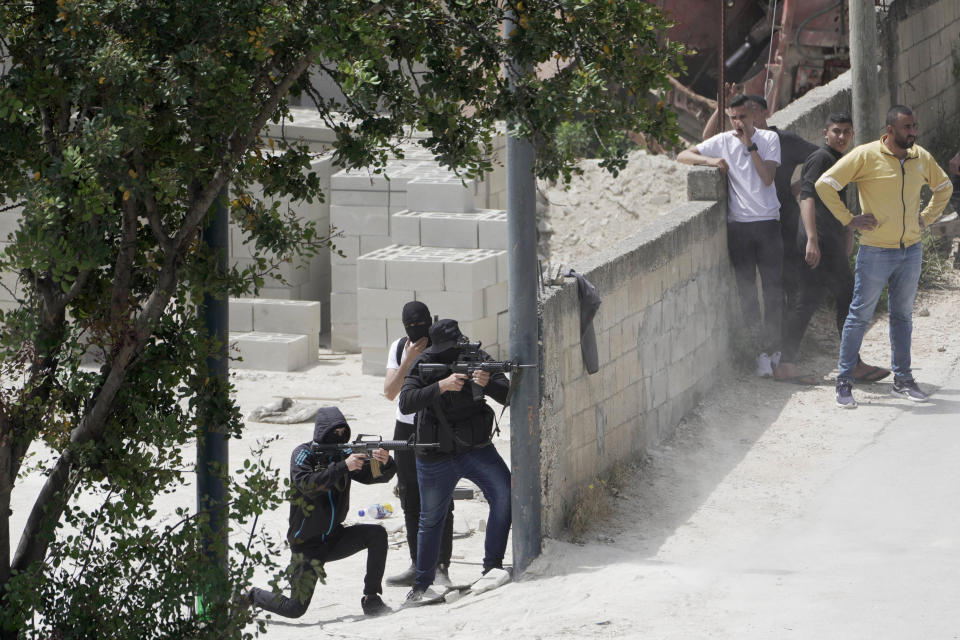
415	203
362	203
663	338
304	278
469	285
923	51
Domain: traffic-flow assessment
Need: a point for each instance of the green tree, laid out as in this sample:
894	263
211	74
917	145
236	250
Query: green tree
121	122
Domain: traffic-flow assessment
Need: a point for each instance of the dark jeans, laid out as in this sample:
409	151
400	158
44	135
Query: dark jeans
832	274
793	260
307	558
409	490
752	246
438	478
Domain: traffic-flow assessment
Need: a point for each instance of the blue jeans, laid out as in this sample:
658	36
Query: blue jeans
876	267
438	478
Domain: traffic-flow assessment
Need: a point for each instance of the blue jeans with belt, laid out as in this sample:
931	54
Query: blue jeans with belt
876	268
438	478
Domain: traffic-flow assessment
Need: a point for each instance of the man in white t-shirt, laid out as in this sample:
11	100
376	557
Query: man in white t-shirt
400	357
749	157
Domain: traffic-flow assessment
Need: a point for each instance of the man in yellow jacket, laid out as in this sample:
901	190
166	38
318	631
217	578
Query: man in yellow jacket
889	173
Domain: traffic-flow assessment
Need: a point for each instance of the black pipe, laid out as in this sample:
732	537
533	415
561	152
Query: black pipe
212	437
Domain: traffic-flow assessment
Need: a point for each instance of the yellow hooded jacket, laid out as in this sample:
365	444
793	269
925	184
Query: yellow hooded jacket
888	190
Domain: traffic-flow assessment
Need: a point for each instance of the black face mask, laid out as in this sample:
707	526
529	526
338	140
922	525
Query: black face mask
417	331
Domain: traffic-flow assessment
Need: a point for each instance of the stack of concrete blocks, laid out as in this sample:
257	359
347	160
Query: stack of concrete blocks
294	287
361	203
444	253
275	335
469	285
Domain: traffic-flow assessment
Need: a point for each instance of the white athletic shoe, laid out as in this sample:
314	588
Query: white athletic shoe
764	366
490	580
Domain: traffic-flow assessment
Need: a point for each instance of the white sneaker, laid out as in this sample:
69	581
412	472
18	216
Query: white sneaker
764	366
490	580
775	359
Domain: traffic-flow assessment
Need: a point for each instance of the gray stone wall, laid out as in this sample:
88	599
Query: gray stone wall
663	333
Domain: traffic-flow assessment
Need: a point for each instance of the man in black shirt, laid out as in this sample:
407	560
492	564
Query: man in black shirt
449	414
826	246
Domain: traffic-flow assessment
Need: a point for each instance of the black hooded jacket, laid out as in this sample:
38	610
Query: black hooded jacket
321	482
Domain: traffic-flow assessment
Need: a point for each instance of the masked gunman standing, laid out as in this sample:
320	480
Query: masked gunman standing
321	485
889	173
448	414
401	354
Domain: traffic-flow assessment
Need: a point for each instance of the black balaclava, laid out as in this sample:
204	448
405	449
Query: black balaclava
416	320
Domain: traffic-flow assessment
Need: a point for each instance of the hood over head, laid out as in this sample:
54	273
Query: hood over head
328	419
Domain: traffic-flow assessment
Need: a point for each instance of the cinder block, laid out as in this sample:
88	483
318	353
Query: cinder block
345	250
339	197
343	278
370	242
405	228
241	314
503	266
483	329
440	194
457	231
373	361
395	328
382	303
371	273
495	299
372	332
359	180
343	308
492	230
270	351
280	293
289	317
459	305
420	275
343	337
472	271
361	220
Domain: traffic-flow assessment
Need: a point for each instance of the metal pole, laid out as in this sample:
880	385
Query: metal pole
524	345
721	72
212	438
863	64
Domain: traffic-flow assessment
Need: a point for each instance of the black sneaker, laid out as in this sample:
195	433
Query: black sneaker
908	388
404	579
845	394
374	605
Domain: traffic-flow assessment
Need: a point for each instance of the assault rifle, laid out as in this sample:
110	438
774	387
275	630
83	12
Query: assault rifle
366	444
470	360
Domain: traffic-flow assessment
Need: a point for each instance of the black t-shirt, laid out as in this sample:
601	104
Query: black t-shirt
794	150
831	234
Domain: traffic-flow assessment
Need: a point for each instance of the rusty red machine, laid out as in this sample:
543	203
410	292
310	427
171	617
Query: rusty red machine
779	49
